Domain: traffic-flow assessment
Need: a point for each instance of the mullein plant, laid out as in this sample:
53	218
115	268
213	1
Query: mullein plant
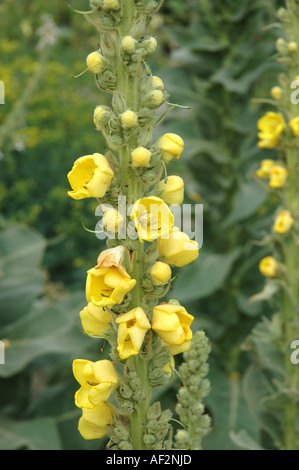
125	287
279	129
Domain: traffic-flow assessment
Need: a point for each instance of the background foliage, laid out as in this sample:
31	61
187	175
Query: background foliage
213	56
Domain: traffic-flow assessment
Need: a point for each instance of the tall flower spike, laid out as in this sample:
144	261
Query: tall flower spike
123	289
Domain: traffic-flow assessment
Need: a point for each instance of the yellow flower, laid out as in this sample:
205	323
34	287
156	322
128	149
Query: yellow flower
173	190
270	127
157	83
107	286
90	176
152	217
93	422
132	329
140	157
265	169
94	62
128	119
154	98
95	320
283	222
97	379
160	273
294	125
276	92
128	44
172	324
171	145
268	266
178	250
278	176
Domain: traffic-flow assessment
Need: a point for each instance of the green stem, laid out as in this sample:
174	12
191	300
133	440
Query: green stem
132	189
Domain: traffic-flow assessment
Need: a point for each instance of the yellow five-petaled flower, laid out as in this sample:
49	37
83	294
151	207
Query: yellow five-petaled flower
152	217
90	176
132	329
97	379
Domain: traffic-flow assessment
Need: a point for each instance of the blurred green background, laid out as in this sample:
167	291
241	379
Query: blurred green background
214	56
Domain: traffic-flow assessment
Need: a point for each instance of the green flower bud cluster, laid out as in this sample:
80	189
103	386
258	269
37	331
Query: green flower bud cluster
157	427
195	387
129	392
160	359
119	434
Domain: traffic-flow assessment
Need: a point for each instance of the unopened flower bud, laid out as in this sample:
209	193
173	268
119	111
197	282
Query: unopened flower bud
150	44
94	62
111	4
160	273
112	220
157	83
172	190
99	116
154	98
140	157
171	146
128	44
128	119
276	92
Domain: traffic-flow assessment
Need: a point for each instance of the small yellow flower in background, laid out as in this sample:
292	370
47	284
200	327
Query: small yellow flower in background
90	176
268	266
111	4
270	127
107	286
278	176
160	273
171	146
276	92
157	83
95	320
292	46
93	422
265	169
97	379
173	190
172	324
178	250
294	125
140	157
95	62
128	119
128	44
132	329
283	222
152	217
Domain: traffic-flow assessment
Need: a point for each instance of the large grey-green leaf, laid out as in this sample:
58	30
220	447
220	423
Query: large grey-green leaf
204	276
21	252
49	328
246	201
36	434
